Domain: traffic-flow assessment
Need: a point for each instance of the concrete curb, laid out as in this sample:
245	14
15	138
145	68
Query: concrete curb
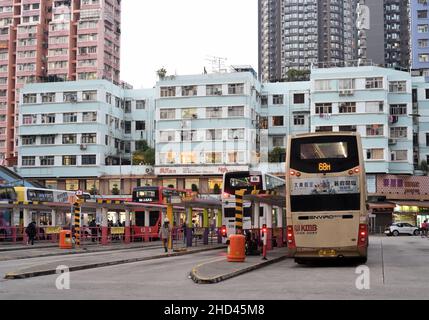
2	249
200	280
26	275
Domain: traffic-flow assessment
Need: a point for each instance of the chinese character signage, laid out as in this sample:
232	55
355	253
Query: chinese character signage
403	185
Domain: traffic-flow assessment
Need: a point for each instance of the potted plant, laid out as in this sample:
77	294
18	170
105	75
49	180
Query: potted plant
93	191
115	190
216	189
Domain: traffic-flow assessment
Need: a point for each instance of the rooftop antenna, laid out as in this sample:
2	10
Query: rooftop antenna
218	64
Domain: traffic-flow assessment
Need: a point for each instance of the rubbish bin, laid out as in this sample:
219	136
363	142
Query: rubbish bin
66	239
237	248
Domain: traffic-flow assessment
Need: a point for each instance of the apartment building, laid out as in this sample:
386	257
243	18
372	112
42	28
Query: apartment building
53	40
81	130
373	101
294	34
73	133
285	110
206	125
419	13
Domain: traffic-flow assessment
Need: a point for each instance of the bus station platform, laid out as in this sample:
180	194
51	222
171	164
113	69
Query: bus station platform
220	269
44	250
85	262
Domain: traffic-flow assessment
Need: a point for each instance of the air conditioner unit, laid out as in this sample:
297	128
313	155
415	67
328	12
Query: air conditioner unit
83	147
346	92
392	141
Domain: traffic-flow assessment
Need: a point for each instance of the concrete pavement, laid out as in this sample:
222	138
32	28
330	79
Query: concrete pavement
397	269
102	260
220	269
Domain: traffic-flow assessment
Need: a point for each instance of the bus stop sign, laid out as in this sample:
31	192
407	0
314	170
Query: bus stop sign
255	180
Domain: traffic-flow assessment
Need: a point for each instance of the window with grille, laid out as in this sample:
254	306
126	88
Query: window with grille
323	108
398	132
347	107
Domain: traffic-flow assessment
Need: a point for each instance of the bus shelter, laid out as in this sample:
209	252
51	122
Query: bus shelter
209	222
275	219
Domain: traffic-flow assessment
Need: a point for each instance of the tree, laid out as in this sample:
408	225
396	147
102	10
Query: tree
297	75
278	155
93	191
161	73
143	154
424	167
115	190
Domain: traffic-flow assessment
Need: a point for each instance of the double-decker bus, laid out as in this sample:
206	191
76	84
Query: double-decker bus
154	195
234	181
326	197
26	194
7	193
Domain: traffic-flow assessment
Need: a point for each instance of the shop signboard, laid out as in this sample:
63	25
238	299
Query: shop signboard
198	170
403	185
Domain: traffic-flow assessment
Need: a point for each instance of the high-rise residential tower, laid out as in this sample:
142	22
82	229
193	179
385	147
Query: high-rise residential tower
53	40
270	43
293	34
419	13
388	37
397	34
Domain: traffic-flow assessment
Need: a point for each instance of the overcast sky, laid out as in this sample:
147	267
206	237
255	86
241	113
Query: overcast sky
179	35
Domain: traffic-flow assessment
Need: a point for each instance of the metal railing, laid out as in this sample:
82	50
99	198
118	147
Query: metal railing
342	64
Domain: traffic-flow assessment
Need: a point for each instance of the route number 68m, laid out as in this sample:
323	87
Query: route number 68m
323	167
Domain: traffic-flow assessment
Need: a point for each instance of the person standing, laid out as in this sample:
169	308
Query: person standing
164	233
94	230
31	232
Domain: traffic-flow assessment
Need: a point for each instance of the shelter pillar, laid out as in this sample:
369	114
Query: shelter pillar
127	226
104	226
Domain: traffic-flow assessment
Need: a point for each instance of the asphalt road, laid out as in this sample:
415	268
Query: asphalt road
397	270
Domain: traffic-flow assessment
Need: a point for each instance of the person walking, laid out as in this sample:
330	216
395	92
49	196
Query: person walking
31	232
184	230
164	233
424	228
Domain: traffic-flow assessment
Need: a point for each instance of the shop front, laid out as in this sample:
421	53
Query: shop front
380	216
413	212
